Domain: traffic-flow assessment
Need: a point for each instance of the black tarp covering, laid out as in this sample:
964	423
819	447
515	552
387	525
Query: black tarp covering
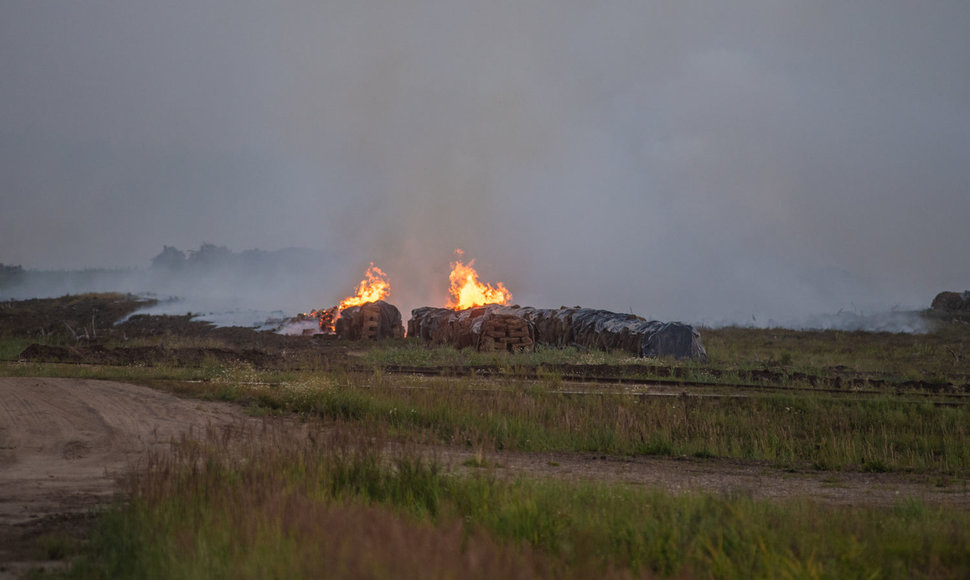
583	327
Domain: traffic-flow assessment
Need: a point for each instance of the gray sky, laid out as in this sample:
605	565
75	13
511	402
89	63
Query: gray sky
694	160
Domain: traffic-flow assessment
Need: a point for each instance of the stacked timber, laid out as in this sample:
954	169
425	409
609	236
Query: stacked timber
371	321
504	332
513	328
482	328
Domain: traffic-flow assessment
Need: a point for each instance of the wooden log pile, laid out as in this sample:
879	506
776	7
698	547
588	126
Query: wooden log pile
371	321
513	328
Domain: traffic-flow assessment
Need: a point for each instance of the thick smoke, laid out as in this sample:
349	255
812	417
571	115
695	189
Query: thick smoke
762	162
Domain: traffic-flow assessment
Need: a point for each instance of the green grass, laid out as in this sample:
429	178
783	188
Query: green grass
808	430
412	352
220	373
331	506
10	348
942	353
56	546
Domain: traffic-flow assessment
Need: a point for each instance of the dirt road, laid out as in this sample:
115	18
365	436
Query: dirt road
724	476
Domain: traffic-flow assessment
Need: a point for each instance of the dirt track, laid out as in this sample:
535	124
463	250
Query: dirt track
64	442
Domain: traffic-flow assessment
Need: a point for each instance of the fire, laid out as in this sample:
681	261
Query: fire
372	288
467	291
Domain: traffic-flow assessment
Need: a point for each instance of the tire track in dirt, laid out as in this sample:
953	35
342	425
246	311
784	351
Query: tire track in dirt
754	479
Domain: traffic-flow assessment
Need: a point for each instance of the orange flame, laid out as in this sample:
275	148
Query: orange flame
467	291
372	288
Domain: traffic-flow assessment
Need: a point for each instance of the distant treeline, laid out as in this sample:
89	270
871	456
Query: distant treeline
210	257
10	273
211	269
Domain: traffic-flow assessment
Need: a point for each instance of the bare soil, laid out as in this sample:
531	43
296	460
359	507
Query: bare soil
65	444
726	476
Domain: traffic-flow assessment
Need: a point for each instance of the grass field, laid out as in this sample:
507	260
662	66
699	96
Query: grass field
354	499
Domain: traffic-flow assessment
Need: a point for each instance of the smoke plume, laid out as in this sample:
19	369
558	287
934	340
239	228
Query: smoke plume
699	161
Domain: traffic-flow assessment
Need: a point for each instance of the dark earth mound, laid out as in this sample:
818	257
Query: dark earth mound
84	329
952	301
68	317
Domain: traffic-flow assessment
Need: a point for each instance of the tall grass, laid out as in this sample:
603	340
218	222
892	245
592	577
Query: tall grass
264	504
210	370
800	429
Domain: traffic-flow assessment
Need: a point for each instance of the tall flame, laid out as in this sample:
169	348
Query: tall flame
372	288
467	291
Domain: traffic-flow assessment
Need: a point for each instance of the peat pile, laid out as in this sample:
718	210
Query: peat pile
484	328
602	329
515	328
373	321
952	301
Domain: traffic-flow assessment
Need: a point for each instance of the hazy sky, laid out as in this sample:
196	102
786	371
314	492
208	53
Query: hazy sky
692	160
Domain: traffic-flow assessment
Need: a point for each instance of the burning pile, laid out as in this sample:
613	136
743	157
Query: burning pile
363	315
467	292
468	321
477	316
372	321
